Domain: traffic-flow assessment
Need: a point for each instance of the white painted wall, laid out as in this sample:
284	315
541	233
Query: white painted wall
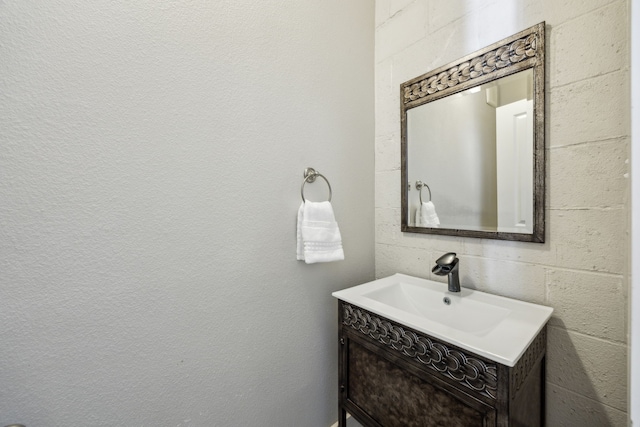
581	270
151	157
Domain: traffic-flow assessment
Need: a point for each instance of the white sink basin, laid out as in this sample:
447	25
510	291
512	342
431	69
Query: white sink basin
492	326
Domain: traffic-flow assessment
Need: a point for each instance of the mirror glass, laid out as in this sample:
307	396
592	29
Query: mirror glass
473	157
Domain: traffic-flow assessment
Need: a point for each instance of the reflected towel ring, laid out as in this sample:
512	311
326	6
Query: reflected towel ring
419	185
310	175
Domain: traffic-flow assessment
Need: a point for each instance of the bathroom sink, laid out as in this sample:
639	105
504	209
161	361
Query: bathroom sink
492	326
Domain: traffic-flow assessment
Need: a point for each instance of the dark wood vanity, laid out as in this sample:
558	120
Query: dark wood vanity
391	375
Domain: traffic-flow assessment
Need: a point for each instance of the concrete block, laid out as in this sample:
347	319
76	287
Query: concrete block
502	19
383	81
566	408
388	154
589	110
434	243
416	60
397	5
382	11
401	30
455	40
387	225
387	191
583	239
558	12
590	303
442	13
387	115
589	366
590	239
535	253
589	175
511	279
580	54
391	259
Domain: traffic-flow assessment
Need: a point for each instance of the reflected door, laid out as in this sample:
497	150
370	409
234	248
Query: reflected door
514	152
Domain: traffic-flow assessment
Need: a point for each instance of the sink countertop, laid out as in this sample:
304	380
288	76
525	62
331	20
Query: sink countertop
492	326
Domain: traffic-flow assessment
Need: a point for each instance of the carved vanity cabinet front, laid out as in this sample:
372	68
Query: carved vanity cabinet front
391	375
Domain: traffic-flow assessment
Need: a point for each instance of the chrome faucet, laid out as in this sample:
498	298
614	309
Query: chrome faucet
447	265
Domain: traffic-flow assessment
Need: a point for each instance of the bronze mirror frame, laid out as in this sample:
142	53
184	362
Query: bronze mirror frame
522	51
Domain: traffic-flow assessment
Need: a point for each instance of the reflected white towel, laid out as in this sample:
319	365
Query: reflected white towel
426	215
318	235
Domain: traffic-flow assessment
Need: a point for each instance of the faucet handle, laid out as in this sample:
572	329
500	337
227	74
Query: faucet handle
447	259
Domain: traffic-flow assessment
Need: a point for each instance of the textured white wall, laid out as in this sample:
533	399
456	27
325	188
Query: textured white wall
581	270
151	157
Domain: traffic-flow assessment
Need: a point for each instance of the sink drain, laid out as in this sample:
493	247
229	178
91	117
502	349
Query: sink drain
446	300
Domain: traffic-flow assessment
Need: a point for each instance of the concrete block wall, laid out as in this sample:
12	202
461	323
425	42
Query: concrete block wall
581	270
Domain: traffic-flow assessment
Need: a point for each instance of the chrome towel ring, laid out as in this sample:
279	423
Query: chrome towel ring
419	186
310	175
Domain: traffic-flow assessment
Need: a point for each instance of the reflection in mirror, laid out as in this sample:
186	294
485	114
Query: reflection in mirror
473	151
482	176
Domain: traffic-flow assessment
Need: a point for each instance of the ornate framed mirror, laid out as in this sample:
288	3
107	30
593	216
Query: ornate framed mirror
472	143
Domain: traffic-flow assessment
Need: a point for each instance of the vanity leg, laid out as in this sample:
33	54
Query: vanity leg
342	417
543	392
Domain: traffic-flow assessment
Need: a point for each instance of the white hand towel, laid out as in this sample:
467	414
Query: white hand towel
426	215
318	235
